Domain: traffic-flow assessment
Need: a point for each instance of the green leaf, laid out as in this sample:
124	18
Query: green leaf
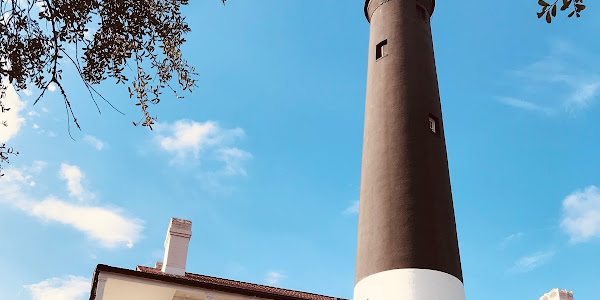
540	14
548	17
566	4
580	7
543	3
554	11
571	14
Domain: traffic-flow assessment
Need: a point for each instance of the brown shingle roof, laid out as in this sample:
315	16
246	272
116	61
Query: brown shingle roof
233	286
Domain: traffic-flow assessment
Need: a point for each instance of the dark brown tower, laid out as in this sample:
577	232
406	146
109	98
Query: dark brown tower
407	246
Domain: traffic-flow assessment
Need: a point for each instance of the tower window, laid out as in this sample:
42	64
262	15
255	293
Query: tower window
421	13
434	124
381	49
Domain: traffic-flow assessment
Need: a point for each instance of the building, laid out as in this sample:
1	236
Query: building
557	294
168	280
407	244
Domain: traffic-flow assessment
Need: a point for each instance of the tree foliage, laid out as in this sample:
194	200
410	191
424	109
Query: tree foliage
137	42
549	9
137	39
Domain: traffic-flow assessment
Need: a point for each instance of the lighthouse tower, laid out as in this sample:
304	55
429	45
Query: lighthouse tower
407	245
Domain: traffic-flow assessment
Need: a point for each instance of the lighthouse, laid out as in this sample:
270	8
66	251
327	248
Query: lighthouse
407	247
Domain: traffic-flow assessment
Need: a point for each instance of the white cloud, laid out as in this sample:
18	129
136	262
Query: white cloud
108	226
13	118
512	238
583	94
233	159
530	262
525	105
33	113
191	142
27	92
274	278
65	288
52	87
352	209
73	175
94	142
187	138
105	225
573	87
581	214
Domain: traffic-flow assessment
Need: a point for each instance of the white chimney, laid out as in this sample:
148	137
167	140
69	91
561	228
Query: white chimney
176	246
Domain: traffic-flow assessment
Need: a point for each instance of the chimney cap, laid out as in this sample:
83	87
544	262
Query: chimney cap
180	224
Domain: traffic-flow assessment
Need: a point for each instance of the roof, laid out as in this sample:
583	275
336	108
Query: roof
214	283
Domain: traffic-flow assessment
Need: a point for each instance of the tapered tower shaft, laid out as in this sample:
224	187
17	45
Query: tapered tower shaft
407	244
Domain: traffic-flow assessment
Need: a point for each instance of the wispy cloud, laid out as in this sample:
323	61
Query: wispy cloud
192	142
511	239
94	142
105	225
530	262
188	138
274	278
13	117
73	175
581	214
108	226
525	105
64	288
352	209
52	87
573	87
234	159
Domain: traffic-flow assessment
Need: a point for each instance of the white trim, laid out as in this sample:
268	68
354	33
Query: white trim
409	284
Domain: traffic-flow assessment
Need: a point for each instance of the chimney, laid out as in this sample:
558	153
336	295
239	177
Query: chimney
176	246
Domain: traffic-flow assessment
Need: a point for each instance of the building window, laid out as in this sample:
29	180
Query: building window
421	13
381	49
434	124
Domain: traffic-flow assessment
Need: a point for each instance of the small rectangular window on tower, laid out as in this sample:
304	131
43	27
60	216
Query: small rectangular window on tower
434	125
381	49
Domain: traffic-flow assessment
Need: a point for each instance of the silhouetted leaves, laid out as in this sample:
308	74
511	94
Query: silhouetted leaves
5	151
147	34
550	9
136	39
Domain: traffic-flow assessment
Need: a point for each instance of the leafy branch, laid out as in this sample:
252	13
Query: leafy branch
147	32
5	151
550	9
35	36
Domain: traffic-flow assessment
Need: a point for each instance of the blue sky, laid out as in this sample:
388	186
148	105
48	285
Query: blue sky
264	156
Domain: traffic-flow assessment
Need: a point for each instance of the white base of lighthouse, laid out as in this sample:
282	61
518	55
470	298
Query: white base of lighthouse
409	284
